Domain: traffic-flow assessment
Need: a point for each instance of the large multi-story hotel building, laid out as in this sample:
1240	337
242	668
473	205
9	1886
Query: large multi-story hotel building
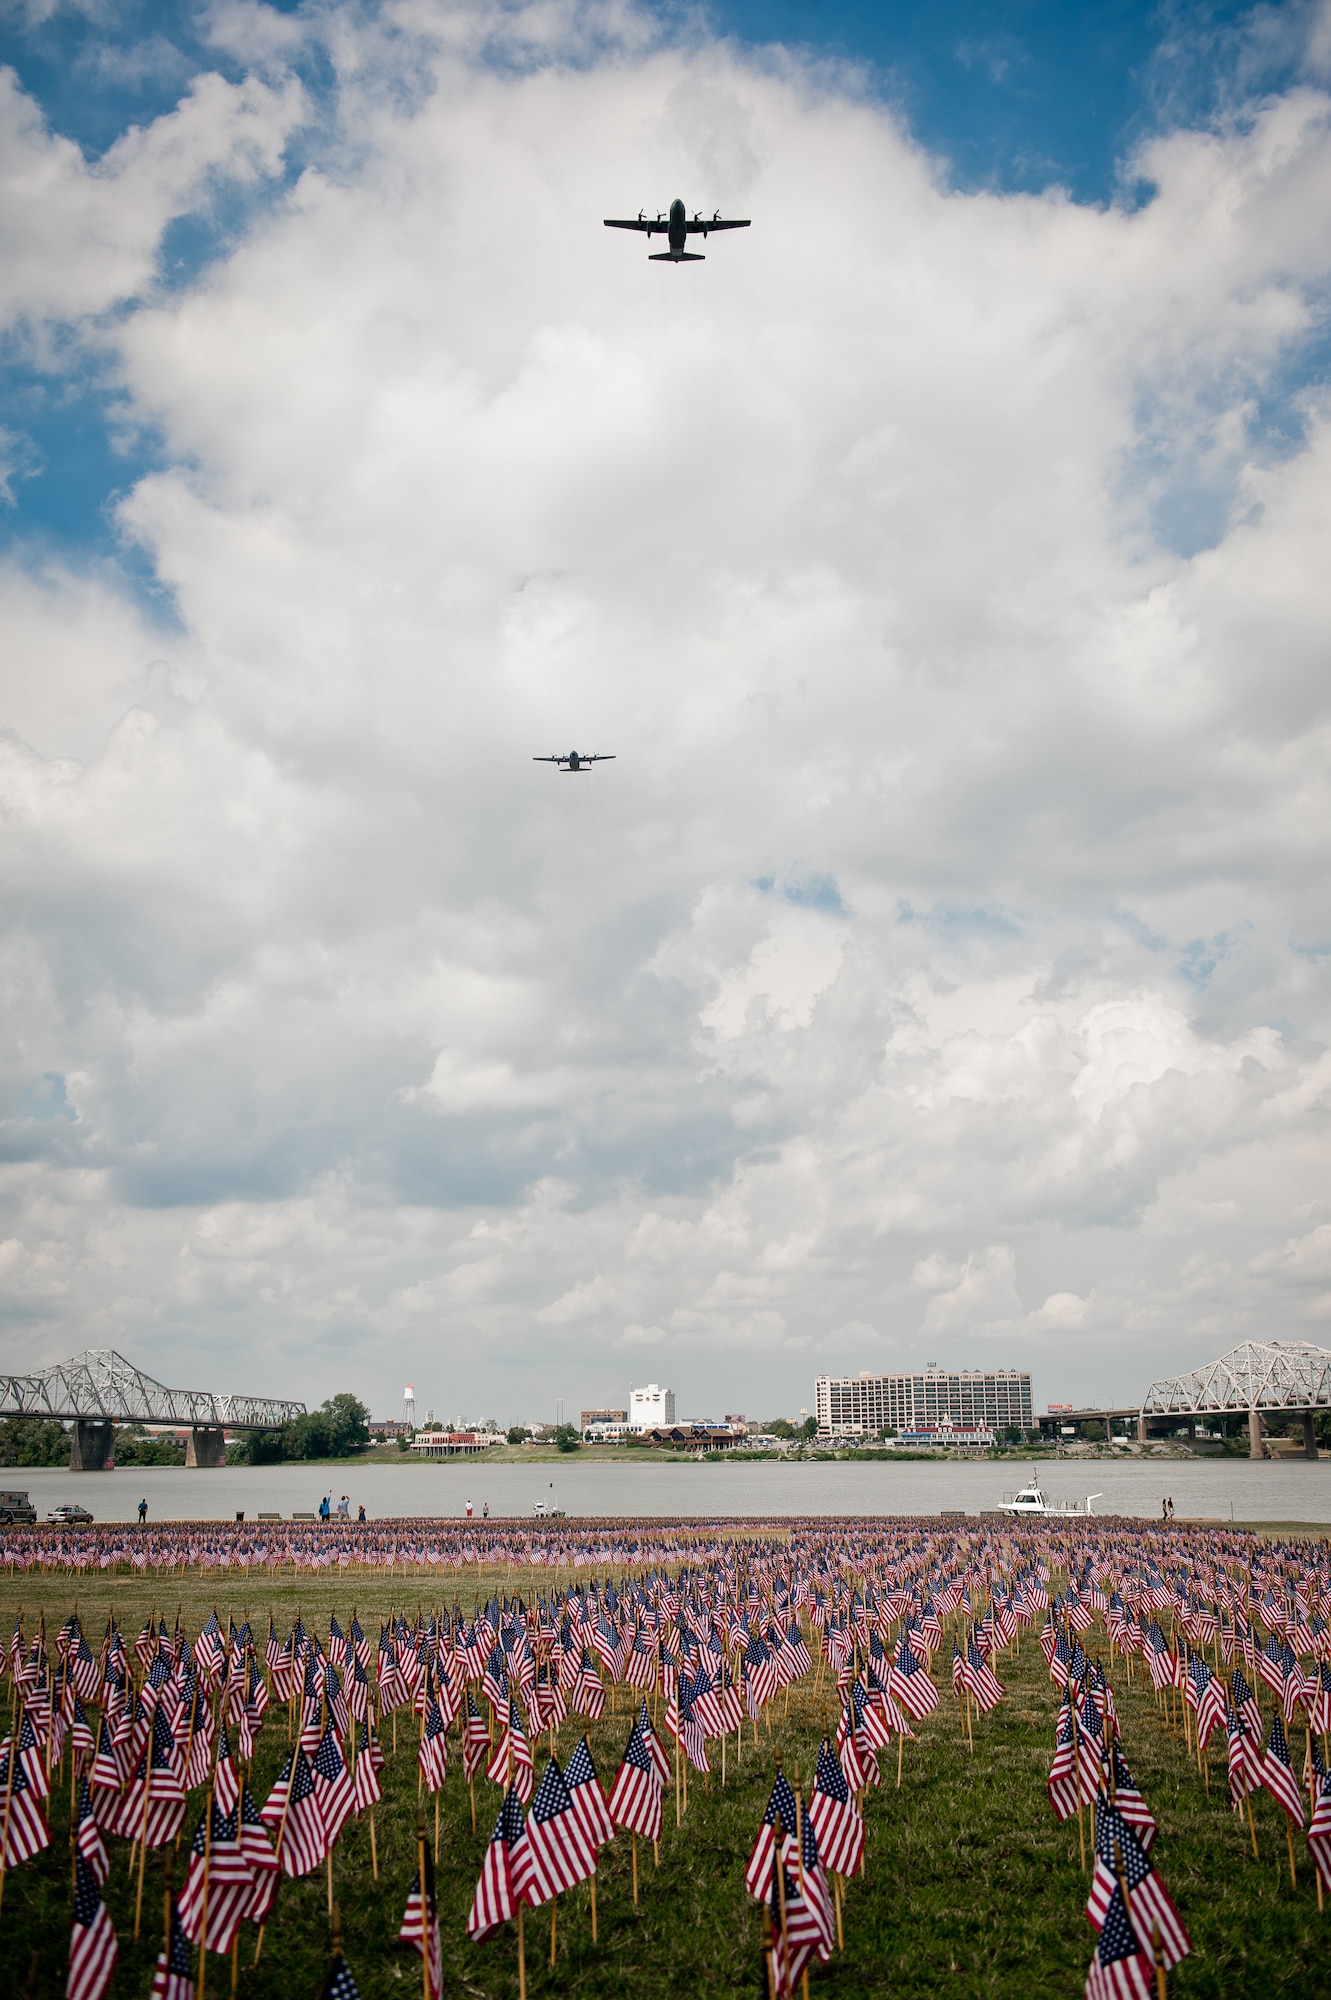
863	1405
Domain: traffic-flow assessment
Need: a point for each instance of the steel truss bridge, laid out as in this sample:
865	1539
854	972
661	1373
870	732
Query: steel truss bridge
99	1389
1259	1378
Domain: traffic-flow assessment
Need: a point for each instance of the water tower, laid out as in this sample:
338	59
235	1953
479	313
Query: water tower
409	1407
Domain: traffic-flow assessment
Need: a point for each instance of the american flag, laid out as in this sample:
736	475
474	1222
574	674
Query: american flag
1319	1714
806	1862
588	1799
420	1922
506	1873
433	1757
173	1978
333	1788
210	1653
640	1664
562	1854
88	1835
910	1686
512	1760
1204	1693
587	1693
1245	1701
979	1677
157	1778
83	1667
635	1798
1121	1968
1319	1830
1278	1774
833	1814
1245	1763
369	1758
760	1678
796	1931
684	1726
340	1985
1124	1794
218	1873
758	1874
1064	1791
1161	1662
1118	1848
301	1840
92	1940
475	1739
258	1852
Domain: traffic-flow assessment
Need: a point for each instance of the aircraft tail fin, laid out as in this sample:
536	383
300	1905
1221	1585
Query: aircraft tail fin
676	257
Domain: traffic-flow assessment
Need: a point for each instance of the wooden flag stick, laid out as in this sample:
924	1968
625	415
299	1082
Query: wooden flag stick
207	1857
425	1907
593	1881
635	1871
143	1831
522	1959
1289	1836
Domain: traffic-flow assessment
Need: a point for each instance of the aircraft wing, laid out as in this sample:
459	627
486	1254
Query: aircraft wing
600	759
701	228
549	760
652	228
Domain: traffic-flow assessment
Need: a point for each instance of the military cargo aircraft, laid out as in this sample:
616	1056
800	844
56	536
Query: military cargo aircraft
677	227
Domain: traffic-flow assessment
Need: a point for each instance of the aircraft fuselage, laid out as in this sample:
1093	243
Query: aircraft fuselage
677	234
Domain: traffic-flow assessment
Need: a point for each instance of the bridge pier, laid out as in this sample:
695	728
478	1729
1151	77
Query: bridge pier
205	1446
1309	1435
91	1444
1143	1435
1256	1449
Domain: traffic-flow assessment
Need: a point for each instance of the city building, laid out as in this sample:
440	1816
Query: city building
698	1436
947	1436
608	1433
650	1406
390	1428
863	1405
441	1443
590	1417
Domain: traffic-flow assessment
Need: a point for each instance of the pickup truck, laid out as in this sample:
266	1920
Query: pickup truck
16	1507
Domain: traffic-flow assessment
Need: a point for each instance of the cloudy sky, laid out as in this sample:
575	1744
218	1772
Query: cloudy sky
940	972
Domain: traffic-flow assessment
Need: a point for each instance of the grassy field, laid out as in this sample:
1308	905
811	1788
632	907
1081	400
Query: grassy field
970	1886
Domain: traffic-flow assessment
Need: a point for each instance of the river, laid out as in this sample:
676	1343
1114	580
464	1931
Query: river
1206	1489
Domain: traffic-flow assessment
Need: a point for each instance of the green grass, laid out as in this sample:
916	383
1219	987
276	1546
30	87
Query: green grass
970	1887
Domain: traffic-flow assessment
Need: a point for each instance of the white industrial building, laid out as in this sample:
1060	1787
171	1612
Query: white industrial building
651	1407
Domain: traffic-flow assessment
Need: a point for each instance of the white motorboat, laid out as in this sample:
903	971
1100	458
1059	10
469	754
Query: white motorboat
1030	1502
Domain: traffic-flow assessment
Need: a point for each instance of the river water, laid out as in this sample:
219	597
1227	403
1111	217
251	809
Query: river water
1206	1489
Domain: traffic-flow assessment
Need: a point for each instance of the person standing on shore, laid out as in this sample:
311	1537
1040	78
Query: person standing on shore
469	1510
143	1513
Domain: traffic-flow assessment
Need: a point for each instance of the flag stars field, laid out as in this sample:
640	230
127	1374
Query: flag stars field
987	1754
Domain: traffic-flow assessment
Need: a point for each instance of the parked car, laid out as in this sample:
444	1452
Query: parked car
16	1507
68	1514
